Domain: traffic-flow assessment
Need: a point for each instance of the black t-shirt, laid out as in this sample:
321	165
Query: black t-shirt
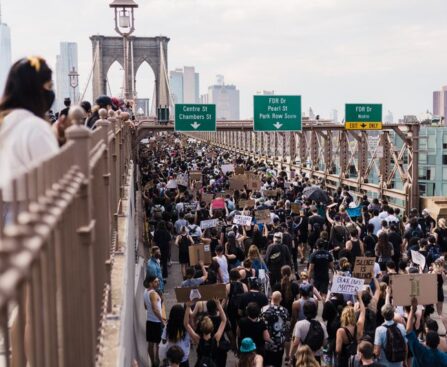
254	330
321	260
370	241
314	219
258	297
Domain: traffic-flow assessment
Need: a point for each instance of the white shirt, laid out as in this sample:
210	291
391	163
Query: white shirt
25	140
223	266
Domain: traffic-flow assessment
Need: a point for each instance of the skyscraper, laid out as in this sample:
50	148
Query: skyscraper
226	99
65	62
440	103
5	52
184	85
334	116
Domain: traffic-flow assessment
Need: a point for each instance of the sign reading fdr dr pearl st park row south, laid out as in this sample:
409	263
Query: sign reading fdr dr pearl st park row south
195	117
277	113
363	116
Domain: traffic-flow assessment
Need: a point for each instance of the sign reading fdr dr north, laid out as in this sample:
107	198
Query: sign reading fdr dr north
277	113
363	116
195	117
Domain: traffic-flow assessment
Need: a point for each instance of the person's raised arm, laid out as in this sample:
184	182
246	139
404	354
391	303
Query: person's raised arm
223	321
362	316
205	273
329	219
376	295
411	316
194	336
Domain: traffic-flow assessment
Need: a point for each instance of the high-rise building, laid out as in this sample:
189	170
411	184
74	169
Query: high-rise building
334	115
265	93
440	103
389	118
184	85
226	99
5	52
65	62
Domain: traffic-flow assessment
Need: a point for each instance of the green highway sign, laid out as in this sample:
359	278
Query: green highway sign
360	116
195	117
277	113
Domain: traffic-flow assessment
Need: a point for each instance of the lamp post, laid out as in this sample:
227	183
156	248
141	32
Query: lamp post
74	82
124	26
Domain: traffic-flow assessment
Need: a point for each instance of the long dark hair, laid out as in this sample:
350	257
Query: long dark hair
24	86
175	330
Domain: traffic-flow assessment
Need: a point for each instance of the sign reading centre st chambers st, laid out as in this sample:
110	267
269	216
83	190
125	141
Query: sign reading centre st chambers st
195	117
277	113
363	116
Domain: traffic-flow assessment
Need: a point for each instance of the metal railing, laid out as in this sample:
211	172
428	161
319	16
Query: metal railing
56	252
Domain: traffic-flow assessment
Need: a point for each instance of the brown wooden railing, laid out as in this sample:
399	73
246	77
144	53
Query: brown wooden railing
56	251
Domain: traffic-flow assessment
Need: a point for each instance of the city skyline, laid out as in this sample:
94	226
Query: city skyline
372	48
66	60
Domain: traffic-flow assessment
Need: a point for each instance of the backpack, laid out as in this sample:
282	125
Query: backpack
370	323
351	347
395	344
234	297
275	260
315	336
157	212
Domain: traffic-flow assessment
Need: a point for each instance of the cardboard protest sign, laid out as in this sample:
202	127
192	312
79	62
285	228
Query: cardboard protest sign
210	223
364	267
201	293
254	184
239	170
237	182
406	286
346	285
195	176
246	204
263	216
199	253
182	179
207	198
227	168
418	258
295	208
218	203
270	193
243	220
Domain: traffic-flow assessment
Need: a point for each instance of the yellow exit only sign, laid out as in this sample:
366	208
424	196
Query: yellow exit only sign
363	125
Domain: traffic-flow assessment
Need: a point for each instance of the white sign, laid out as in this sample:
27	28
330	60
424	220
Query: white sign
182	179
194	294
172	184
227	168
346	285
243	220
210	223
418	258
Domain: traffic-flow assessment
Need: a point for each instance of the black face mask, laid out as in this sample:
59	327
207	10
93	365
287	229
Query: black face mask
49	97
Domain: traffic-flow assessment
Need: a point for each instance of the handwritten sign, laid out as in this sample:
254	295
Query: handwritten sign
418	258
243	220
182	179
346	285
406	286
246	204
207	198
364	267
227	168
239	170
237	183
195	176
263	216
172	184
210	223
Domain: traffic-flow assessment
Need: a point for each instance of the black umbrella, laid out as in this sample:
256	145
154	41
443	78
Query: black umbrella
317	194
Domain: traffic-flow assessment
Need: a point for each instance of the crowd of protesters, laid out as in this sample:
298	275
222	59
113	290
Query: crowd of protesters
279	309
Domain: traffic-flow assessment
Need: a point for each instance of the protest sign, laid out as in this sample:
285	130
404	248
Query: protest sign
243	220
239	170
207	198
198	253
346	285
227	168
201	293
354	212
246	203
418	258
237	182
172	184
295	208
218	203
364	267
263	216
210	223
270	193
406	286
195	176
182	179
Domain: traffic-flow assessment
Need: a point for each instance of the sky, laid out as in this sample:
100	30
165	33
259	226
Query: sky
330	52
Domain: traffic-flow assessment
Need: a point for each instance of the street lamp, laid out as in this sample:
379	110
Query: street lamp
74	81
124	26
